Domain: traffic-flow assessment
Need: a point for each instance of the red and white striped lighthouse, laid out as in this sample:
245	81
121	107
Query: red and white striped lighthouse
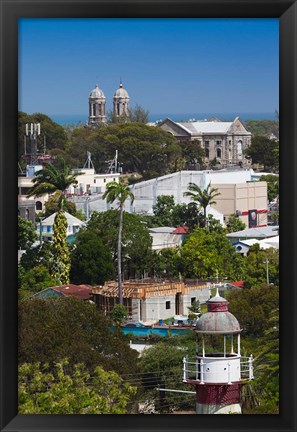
218	377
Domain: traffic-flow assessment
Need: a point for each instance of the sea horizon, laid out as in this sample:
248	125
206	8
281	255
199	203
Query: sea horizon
74	119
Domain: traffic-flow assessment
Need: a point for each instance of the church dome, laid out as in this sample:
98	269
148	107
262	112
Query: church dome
97	93
121	92
218	320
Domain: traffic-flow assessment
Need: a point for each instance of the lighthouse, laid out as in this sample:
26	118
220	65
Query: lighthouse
218	377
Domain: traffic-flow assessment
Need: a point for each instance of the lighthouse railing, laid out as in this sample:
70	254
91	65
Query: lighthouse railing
194	369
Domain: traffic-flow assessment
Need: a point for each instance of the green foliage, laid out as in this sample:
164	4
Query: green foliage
167	213
58	391
136	240
256	267
195	307
163	210
26	233
52	329
252	308
162	367
263	127
234	224
203	197
41	254
36	279
150	151
118	314
139	115
52	205
91	260
118	192
272	185
52	179
60	250
193	154
167	263
263	151
55	134
204	253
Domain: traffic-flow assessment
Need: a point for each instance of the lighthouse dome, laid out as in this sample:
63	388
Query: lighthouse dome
218	320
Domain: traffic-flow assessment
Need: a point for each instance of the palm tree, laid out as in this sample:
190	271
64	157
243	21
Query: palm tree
204	197
119	192
52	179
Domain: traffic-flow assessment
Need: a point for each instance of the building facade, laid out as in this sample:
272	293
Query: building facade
222	141
151	301
238	193
28	206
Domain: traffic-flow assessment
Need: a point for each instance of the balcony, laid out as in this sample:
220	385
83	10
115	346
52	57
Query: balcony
217	369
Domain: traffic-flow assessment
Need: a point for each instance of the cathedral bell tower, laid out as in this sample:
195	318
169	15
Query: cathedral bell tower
97	109
121	102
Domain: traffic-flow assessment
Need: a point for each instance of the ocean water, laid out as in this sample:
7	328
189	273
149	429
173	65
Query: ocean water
74	119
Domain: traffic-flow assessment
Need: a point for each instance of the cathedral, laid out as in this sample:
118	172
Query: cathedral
97	105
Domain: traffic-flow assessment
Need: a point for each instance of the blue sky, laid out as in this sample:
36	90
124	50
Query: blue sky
166	65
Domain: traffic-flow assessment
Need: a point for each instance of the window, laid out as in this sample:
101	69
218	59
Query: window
230	142
219	153
239	149
25	190
207	152
38	205
193	299
94	180
104	180
218	142
168	305
206	143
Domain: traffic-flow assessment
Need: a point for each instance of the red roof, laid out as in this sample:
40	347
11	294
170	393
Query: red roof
239	284
83	292
181	230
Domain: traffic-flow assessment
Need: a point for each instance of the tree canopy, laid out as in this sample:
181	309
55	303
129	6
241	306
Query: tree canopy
272	185
52	329
204	253
42	390
147	150
264	151
91	260
26	233
203	197
136	240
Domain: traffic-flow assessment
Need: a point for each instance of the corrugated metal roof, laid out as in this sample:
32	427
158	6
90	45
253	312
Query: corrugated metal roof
206	127
71	220
83	292
268	231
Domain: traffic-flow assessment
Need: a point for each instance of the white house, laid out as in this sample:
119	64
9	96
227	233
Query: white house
46	228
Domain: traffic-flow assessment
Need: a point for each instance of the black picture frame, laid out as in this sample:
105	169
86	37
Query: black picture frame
286	11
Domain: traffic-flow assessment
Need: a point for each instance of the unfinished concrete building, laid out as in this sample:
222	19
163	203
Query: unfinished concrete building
149	301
